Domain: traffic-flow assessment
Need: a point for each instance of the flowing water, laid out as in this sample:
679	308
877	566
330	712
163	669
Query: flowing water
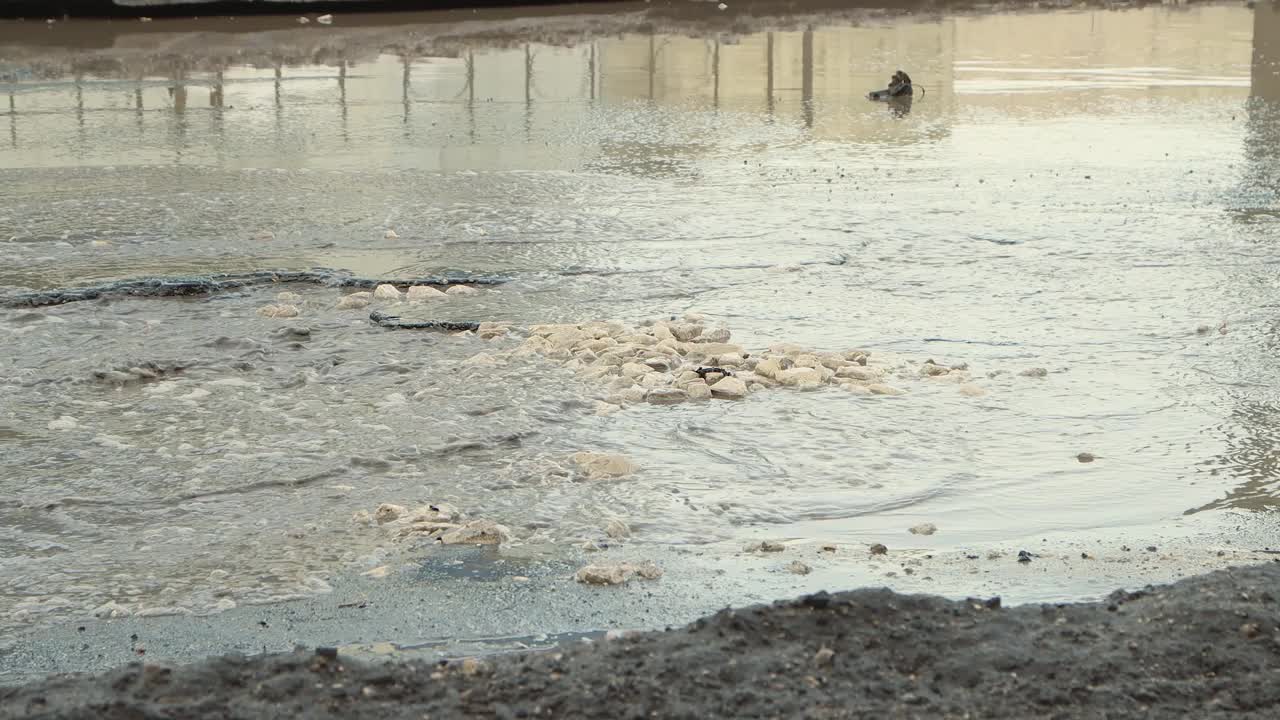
1088	191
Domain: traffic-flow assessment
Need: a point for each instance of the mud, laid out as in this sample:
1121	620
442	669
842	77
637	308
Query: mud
1205	647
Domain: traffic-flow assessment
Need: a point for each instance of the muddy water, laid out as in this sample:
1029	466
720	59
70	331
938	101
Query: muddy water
1077	190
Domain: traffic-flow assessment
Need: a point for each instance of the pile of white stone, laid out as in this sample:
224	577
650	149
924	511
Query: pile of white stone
664	362
440	522
288	304
416	293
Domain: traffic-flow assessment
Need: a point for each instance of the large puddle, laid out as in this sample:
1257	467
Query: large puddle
1087	191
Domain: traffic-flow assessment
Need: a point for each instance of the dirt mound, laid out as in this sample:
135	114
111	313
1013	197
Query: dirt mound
1204	647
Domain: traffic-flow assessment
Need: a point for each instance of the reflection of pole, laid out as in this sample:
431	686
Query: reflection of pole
1265	75
471	96
137	103
591	72
404	86
79	78
715	73
806	77
13	121
179	92
768	73
653	61
342	96
279	79
215	92
528	92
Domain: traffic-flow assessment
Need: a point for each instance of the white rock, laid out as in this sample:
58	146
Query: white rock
930	369
477	532
617	529
386	292
715	335
289	298
304	20
388	512
857	372
354	301
491	330
971	390
606	408
698	390
633	394
617	573
481	360
924	529
325	19
461	290
64	422
111	609
424	292
795	567
278	311
224	604
391	234
596	466
800	377
769	367
379	572
666	396
685	332
884	390
730	388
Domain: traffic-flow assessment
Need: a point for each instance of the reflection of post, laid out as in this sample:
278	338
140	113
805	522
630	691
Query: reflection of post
13	121
79	79
591	72
179	92
715	73
653	62
279	79
137	102
528	92
1266	51
404	86
806	77
342	96
768	73
215	92
471	96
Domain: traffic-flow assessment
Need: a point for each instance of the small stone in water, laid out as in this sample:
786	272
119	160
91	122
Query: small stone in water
1086	457
391	234
461	290
765	546
795	567
879	549
424	292
617	529
924	529
386	292
1034	373
278	311
730	388
354	301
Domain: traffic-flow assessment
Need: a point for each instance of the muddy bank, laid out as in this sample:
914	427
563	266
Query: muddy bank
1206	647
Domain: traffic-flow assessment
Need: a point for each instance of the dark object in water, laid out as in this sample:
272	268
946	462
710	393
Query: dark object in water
394	322
704	371
899	87
221	282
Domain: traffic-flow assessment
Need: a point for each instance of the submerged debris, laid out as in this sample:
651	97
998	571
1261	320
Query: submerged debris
596	466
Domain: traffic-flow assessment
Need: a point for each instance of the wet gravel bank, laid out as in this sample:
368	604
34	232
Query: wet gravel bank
1204	647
